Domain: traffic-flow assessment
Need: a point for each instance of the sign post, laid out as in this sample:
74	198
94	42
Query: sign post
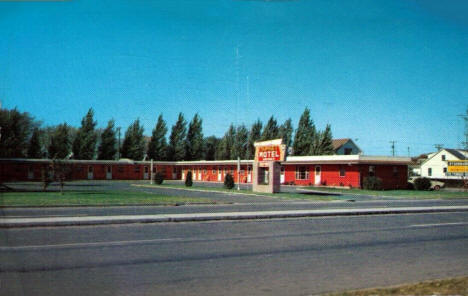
267	167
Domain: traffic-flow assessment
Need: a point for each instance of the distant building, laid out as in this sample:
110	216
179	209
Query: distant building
435	166
345	146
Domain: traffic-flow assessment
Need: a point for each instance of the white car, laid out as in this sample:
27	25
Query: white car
435	185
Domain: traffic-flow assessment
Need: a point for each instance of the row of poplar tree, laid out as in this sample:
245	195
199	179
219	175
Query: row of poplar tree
22	136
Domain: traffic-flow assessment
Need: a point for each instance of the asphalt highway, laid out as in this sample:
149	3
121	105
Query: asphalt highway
268	257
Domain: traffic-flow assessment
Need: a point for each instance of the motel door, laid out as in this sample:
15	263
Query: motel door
249	174
318	173
282	175
30	173
199	174
183	174
90	172
146	173
109	173
219	174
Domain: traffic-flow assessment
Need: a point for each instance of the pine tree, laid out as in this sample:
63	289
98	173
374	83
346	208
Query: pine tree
15	131
35	147
157	147
254	135
323	143
285	132
270	131
60	142
209	148
239	149
305	134
108	146
84	144
194	140
133	146
176	148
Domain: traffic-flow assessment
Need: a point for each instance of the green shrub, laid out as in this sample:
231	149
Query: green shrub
422	184
158	178
372	183
188	179
228	181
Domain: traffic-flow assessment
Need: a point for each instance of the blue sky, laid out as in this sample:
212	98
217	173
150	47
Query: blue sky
376	70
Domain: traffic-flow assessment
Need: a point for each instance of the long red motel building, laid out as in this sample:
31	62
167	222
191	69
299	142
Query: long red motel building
331	170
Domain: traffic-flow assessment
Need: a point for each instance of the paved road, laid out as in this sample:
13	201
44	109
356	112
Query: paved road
272	257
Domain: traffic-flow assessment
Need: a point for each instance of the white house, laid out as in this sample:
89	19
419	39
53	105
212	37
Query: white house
435	166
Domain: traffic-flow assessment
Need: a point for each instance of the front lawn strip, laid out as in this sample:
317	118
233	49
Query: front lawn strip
285	195
94	198
413	194
454	286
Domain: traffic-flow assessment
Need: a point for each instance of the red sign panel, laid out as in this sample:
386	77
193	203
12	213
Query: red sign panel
269	153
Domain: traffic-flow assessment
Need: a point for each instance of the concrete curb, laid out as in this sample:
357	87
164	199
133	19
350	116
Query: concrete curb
127	219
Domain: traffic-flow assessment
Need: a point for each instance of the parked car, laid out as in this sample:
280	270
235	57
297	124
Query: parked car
435	185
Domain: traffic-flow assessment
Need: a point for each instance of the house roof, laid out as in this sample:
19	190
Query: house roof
457	153
337	143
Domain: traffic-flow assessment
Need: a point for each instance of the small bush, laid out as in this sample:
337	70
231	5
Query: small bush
228	181
372	183
422	184
188	179
158	178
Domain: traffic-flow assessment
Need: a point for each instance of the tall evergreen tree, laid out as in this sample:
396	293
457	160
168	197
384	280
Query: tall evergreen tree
323	143
223	151
305	134
60	143
176	148
157	147
254	135
270	131
194	140
210	148
108	146
133	146
35	146
15	131
239	149
285	132
84	144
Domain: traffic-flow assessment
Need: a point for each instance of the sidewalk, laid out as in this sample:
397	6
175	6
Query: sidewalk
126	219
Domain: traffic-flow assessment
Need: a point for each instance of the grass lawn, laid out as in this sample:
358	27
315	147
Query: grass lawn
455	286
414	194
286	195
92	198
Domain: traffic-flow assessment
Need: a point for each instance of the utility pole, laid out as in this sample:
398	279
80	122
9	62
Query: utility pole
438	146
408	151
465	118
393	147
118	129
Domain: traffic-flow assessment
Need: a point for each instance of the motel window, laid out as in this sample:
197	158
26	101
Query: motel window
213	171
429	172
445	170
137	169
174	170
204	171
371	171
348	151
90	169
443	157
342	171
302	173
